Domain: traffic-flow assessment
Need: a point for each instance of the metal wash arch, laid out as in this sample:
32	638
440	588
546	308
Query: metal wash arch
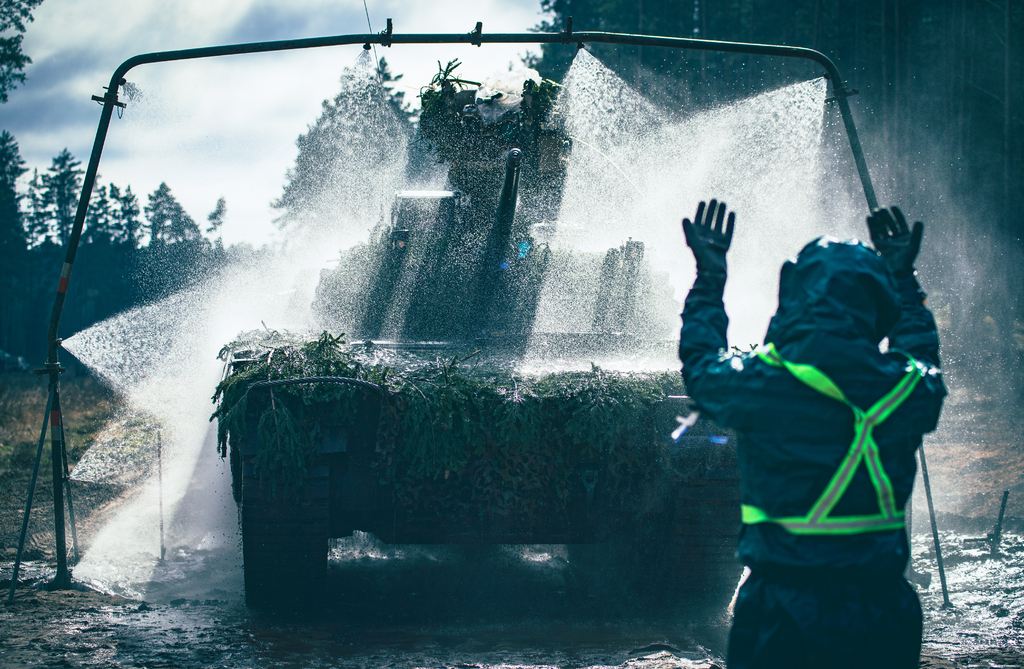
385	38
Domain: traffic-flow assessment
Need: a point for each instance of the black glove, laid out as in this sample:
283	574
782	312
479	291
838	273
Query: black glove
709	238
897	243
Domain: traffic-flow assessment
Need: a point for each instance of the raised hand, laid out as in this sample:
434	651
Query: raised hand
709	236
895	240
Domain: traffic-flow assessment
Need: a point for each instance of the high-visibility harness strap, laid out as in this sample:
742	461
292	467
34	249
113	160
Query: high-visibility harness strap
863	448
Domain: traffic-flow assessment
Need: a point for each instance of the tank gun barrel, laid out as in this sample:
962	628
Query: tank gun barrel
499	238
507	201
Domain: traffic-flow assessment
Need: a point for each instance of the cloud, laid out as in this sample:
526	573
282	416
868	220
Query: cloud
270	21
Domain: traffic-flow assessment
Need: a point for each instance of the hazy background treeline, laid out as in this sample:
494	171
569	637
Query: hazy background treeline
938	111
131	251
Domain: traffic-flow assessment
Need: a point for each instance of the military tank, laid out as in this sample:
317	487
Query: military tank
418	428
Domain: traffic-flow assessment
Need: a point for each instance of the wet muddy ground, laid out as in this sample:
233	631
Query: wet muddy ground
494	614
516	617
495	607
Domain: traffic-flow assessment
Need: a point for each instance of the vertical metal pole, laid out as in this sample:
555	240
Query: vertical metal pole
883	49
908	516
935	530
67	490
841	94
62	579
997	533
31	492
76	231
896	94
1007	115
703	54
160	483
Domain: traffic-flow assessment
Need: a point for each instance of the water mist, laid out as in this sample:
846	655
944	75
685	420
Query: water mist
635	171
162	357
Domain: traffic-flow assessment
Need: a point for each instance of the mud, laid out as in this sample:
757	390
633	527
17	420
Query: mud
493	615
984	626
487	607
93	630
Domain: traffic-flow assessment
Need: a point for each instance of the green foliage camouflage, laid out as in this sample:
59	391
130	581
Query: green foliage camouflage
456	138
510	441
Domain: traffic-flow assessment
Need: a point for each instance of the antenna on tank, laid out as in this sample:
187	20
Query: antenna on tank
376	61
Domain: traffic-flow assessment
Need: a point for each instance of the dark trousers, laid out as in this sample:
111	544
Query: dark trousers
787	622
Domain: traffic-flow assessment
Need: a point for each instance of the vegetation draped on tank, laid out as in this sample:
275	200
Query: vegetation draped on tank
443	126
445	419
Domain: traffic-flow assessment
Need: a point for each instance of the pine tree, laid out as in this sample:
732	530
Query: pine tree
12	231
350	159
167	220
99	221
11	168
127	227
36	220
12	235
216	217
14	14
396	98
55	199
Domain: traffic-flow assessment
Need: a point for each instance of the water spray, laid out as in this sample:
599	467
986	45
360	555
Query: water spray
613	164
386	38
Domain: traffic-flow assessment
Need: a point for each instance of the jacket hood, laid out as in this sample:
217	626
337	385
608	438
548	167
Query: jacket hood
835	289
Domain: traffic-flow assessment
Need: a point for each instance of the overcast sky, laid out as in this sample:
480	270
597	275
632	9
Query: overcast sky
227	126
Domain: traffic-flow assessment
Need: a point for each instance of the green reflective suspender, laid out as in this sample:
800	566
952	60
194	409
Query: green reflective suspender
817	521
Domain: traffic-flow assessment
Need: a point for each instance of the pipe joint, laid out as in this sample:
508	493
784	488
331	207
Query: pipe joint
50	369
840	91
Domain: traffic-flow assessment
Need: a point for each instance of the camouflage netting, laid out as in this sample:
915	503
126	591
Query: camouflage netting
511	442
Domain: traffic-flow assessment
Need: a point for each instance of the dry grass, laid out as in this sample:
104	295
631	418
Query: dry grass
86	405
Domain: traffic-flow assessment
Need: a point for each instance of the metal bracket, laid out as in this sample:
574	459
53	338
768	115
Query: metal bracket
50	368
385	35
840	92
567	35
474	37
115	101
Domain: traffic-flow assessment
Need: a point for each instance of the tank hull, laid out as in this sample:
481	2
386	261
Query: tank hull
667	526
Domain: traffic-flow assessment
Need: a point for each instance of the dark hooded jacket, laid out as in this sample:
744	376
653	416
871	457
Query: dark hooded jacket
837	301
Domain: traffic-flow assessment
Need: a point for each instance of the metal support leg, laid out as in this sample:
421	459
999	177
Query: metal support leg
935	529
62	579
31	493
67	490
